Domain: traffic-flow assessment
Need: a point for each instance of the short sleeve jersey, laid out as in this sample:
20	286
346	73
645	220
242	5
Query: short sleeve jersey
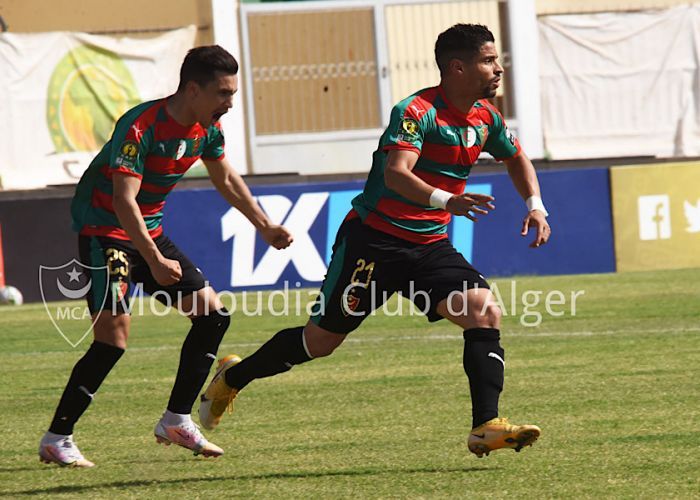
149	144
448	143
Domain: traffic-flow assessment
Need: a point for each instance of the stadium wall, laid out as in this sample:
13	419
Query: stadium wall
36	231
129	17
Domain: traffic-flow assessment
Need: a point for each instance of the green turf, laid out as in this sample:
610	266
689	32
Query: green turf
616	390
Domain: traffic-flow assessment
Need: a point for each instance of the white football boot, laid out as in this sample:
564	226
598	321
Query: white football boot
186	434
61	450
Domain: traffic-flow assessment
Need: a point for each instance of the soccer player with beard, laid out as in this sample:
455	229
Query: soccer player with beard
396	233
117	210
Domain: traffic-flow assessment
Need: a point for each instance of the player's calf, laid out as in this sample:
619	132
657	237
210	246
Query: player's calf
198	354
278	355
85	379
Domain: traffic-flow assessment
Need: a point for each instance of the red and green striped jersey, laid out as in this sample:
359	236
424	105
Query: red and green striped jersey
448	143
149	144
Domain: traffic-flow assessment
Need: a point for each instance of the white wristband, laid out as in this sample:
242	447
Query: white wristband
535	203
439	198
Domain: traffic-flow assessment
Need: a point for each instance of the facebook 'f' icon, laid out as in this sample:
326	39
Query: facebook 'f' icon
654	217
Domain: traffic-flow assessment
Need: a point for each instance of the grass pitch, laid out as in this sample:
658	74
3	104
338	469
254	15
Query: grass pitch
616	390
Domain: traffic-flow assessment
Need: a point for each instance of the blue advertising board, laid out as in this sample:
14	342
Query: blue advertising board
578	202
227	248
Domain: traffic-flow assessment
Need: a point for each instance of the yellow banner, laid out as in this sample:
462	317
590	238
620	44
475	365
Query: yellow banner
656	216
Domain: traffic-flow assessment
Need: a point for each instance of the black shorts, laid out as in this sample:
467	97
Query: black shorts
368	266
116	266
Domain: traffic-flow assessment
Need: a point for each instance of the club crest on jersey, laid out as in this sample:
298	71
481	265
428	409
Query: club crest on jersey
470	136
181	148
350	304
119	289
408	131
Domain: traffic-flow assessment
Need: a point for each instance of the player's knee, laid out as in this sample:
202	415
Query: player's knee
320	342
483	310
201	303
112	329
322	348
488	315
492	315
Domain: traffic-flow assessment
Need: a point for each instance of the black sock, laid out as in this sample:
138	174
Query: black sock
87	376
484	363
197	355
277	355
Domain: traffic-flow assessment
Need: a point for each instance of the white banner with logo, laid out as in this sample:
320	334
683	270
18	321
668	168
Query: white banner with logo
61	93
621	84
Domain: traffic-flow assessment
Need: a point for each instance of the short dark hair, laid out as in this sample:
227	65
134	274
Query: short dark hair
202	63
461	41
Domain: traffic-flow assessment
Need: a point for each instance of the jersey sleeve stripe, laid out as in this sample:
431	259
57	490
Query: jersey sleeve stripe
404	146
218	158
124	170
517	153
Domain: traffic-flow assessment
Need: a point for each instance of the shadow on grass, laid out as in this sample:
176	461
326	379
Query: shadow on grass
272	475
45	466
17	469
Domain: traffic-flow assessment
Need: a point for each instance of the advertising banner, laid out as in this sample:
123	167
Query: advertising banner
656	210
226	247
578	202
61	93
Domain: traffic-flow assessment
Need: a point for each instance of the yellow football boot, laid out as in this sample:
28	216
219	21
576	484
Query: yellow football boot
497	433
218	396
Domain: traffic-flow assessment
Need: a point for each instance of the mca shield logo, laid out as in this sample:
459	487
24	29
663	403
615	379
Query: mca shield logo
73	281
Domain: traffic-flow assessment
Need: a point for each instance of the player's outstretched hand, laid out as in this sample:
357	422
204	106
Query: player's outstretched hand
277	236
536	219
166	271
469	204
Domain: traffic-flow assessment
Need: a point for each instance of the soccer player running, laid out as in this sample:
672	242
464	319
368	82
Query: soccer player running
117	209
395	237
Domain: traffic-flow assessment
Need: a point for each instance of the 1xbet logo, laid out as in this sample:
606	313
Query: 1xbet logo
303	254
310	258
